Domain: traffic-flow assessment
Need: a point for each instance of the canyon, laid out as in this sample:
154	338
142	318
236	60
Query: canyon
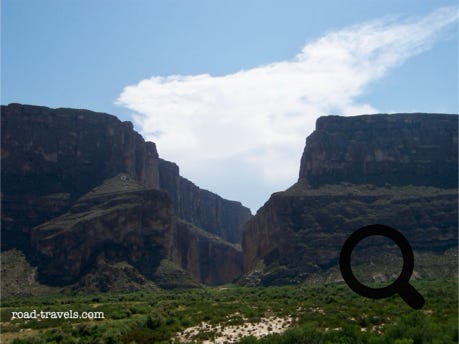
88	204
83	190
399	170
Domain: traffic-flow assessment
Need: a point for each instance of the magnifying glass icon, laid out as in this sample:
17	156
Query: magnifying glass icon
400	286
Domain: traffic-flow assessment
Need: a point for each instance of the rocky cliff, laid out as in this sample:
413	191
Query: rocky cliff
50	157
119	220
219	261
398	170
82	193
400	149
202	208
122	221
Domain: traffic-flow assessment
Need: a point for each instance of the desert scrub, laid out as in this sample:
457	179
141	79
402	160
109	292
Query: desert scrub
325	313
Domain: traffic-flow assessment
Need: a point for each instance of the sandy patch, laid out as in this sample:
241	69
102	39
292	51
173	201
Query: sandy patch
208	334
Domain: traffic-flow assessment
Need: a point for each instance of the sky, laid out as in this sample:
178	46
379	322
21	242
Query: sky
229	90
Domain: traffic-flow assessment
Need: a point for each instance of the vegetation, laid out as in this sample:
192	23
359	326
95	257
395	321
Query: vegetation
301	188
327	313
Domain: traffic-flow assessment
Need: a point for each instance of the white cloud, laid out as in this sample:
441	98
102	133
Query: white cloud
259	118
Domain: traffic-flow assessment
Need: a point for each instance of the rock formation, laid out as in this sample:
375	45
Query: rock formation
400	149
122	222
202	208
50	157
82	190
398	170
91	205
207	257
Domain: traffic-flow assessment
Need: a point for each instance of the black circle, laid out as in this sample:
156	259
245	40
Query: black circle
345	261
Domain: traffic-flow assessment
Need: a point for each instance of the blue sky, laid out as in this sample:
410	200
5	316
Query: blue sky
240	66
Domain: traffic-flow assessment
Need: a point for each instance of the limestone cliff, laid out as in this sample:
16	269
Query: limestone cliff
50	157
202	208
398	149
130	224
207	257
398	170
121	221
65	206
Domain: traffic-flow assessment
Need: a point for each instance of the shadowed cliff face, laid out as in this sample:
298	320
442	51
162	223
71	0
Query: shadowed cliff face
202	208
121	221
219	261
67	150
50	157
395	170
135	226
399	149
83	195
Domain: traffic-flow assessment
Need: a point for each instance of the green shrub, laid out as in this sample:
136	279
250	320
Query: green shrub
248	340
154	321
403	341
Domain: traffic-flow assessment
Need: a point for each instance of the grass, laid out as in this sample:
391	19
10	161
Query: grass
326	313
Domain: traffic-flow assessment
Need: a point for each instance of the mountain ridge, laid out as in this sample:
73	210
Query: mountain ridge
398	170
70	178
94	208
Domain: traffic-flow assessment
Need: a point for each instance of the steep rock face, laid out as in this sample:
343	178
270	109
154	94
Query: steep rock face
207	257
355	172
298	233
202	208
68	150
399	149
132	225
50	157
81	198
121	235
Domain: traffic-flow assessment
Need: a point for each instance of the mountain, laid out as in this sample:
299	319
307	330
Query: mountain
398	149
89	203
398	170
